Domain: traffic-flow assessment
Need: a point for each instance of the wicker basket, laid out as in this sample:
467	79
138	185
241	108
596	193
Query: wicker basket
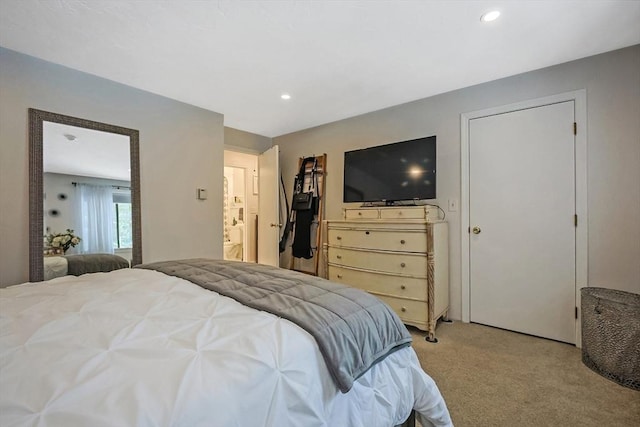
611	334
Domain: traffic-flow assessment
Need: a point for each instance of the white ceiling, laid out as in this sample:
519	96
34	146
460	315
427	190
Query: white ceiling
79	151
337	59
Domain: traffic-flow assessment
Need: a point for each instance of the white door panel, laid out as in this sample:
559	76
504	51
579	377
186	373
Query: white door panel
522	199
268	208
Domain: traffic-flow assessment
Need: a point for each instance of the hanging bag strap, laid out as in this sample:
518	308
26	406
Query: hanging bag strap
302	200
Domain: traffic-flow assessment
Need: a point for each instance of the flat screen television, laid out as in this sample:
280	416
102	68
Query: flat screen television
391	173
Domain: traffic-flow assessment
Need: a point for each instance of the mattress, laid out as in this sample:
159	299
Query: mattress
138	347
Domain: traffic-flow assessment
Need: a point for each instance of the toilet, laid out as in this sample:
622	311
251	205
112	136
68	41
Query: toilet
233	248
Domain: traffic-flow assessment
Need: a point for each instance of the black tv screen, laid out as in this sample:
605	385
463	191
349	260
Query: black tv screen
392	172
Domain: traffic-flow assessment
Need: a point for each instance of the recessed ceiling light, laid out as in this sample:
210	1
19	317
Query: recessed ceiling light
285	96
490	16
70	137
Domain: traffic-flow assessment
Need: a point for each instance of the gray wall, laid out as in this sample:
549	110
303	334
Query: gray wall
612	82
181	148
239	140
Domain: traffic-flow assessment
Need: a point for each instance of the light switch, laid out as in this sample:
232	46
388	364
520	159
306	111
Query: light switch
453	205
202	194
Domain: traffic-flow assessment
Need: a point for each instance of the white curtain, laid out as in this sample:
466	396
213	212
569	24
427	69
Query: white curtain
96	218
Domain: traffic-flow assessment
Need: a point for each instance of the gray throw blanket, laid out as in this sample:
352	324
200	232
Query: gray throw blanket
94	263
353	329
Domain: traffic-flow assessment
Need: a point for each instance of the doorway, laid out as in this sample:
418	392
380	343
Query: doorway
261	224
234	194
240	206
524	185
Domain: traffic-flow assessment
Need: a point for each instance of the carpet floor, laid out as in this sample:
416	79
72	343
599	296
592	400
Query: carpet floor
493	377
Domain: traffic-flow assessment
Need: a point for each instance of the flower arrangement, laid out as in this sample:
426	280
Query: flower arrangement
61	241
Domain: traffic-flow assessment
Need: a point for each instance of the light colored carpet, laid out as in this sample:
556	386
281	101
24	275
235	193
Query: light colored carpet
493	377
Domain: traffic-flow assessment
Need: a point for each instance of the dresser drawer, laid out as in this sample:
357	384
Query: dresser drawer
399	264
408	310
387	240
361	214
425	213
407	287
391	256
403	213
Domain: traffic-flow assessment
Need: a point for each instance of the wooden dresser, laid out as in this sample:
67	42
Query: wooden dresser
399	254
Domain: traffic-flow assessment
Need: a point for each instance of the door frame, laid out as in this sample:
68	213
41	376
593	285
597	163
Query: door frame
580	105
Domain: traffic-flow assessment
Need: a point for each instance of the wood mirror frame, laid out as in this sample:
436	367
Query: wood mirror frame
36	219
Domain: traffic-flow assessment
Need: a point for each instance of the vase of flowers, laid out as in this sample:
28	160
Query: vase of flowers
57	242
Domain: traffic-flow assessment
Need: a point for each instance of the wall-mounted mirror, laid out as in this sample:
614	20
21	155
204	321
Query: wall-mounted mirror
84	176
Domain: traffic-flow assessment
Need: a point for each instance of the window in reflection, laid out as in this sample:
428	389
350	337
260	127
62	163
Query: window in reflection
123	237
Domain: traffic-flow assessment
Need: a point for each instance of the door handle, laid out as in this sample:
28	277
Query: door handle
476	230
275	225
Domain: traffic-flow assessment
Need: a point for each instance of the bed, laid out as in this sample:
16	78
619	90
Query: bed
162	345
61	265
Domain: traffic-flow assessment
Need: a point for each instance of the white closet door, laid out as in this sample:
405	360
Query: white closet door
521	207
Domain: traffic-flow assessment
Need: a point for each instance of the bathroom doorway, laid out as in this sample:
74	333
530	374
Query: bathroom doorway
240	206
234	211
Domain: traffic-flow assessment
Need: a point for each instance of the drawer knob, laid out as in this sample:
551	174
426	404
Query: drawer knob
359	213
402	242
339	276
403	309
339	237
339	256
403	265
403	287
400	213
366	232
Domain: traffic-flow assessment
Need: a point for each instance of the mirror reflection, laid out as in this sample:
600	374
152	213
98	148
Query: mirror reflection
87	218
87	191
87	197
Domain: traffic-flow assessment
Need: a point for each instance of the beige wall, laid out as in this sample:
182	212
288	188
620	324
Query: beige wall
612	83
181	149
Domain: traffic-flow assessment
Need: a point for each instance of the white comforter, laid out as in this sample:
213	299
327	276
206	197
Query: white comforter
139	348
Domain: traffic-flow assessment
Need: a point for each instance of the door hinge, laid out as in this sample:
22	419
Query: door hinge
575	128
469	230
576	312
575	220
